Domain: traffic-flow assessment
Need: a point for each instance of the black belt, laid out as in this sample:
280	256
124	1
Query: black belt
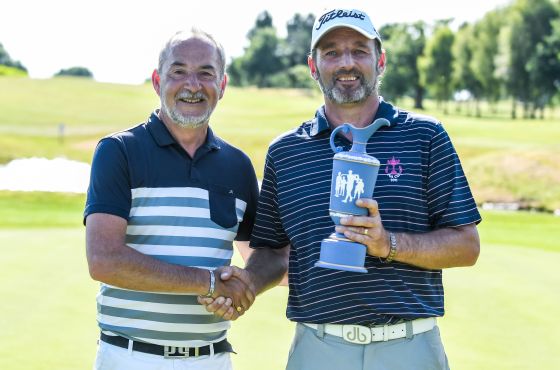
167	351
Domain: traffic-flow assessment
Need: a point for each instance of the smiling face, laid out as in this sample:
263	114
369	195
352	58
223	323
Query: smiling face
345	64
190	82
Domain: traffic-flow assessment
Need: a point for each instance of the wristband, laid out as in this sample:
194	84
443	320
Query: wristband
393	250
212	284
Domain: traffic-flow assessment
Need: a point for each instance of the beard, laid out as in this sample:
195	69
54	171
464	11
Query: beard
347	96
184	120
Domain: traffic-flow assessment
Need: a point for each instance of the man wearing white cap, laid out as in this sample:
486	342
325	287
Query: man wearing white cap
423	218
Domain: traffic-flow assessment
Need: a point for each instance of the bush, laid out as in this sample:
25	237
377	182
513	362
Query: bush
295	77
75	71
279	79
12	71
301	77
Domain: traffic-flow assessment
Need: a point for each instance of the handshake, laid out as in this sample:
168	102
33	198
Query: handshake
234	293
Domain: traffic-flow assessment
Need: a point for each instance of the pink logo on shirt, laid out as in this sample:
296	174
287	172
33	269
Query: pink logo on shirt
393	165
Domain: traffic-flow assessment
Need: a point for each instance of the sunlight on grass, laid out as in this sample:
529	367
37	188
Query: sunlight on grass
48	294
504	159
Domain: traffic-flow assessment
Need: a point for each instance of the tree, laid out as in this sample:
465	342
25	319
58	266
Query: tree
404	44
261	59
484	63
236	72
436	64
294	77
6	60
4	56
298	39
544	68
464	77
75	71
530	24
264	20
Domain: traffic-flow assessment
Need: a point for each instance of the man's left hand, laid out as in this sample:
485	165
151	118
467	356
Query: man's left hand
367	230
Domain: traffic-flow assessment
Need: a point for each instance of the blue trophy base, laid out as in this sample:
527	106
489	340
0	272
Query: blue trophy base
342	254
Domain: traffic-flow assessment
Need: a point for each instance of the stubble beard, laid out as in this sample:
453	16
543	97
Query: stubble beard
343	96
183	120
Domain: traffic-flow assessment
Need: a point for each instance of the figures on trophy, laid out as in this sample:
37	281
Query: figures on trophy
349	185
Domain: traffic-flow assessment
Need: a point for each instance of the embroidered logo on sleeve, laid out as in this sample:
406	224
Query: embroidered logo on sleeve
393	169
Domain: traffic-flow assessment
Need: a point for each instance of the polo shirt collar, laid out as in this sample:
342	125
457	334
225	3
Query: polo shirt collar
163	137
385	110
211	140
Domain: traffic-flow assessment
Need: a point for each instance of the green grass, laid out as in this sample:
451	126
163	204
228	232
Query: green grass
500	314
521	229
248	118
44	209
11	72
40	209
33	109
48	300
505	160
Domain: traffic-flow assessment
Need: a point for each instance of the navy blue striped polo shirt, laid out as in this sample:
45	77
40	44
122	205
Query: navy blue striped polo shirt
420	187
181	210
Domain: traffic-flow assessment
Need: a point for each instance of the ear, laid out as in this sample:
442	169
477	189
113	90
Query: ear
156	81
381	63
312	67
223	85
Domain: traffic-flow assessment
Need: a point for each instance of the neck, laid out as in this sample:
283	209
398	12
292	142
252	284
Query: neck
358	114
190	139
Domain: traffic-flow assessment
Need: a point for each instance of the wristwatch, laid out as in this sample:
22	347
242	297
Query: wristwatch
212	284
392	250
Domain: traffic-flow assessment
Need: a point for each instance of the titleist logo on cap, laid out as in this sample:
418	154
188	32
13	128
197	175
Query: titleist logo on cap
338	14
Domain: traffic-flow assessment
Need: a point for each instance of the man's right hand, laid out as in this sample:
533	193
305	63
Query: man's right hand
264	270
234	293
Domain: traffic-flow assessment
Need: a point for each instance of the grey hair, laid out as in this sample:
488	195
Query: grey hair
185	35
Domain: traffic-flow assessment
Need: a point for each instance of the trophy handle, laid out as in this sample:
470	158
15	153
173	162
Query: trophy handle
345	127
361	135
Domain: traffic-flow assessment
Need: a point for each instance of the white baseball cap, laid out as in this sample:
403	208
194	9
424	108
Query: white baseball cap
338	18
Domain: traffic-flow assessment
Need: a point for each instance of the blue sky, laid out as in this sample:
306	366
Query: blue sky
119	40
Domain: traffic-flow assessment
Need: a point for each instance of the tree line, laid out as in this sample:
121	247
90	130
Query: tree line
10	67
512	53
270	61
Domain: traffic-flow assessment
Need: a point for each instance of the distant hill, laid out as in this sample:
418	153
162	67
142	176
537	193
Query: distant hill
75	72
505	160
11	71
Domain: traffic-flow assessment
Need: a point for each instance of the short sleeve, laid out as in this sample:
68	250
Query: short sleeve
268	231
109	185
450	200
246	226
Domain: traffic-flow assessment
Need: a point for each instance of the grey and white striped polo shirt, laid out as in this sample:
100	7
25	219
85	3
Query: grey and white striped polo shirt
181	210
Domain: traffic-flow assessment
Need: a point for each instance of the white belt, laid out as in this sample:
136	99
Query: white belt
364	335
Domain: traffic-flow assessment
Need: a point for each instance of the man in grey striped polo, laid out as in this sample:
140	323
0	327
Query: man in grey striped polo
423	218
166	200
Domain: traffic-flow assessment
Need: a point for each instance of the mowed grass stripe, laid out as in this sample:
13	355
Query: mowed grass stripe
500	313
504	159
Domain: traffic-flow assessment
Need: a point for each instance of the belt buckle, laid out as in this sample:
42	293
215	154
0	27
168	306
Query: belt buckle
179	352
356	334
